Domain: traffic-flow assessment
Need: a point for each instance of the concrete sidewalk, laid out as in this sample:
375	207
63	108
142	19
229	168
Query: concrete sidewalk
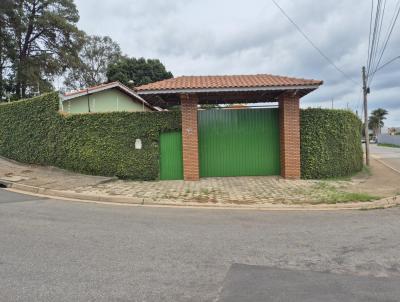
387	155
243	192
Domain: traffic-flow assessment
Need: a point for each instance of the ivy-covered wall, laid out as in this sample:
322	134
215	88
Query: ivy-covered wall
330	143
32	131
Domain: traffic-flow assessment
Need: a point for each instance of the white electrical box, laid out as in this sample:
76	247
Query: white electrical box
138	144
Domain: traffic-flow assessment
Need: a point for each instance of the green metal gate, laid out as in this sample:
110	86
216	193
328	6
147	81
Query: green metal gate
171	162
239	142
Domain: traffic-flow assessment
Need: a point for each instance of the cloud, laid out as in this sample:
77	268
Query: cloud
252	36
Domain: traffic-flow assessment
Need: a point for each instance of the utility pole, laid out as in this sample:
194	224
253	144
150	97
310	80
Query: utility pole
365	93
332	103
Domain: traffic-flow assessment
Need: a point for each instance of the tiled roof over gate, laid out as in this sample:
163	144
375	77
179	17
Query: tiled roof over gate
227	81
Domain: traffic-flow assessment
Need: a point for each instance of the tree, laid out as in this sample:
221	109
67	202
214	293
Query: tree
46	42
375	120
6	46
140	71
96	54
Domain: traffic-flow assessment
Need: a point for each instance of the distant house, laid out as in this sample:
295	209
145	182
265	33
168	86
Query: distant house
104	98
394	131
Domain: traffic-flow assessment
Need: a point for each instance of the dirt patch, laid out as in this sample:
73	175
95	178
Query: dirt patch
383	181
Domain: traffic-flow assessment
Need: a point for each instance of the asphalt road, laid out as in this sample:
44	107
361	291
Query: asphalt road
249	283
390	156
69	251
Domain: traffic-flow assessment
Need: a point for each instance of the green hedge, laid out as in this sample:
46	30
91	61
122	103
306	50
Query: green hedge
330	143
32	131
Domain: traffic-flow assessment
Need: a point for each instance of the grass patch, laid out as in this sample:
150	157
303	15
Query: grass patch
365	172
204	191
341	178
331	195
389	145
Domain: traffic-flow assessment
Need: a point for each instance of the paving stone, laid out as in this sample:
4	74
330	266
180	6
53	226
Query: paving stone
238	190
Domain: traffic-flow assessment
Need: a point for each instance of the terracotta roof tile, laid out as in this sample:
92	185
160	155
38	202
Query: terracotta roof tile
227	81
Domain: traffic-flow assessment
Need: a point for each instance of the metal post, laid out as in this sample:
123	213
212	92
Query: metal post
365	93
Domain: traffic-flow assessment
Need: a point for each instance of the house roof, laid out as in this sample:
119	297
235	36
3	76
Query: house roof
259	81
102	87
226	89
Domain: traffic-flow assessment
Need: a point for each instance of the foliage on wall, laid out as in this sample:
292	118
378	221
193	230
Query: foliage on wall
32	131
330	143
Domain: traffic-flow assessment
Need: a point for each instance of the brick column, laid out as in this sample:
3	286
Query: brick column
289	123
190	137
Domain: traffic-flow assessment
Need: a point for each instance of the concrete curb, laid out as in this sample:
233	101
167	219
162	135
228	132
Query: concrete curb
134	201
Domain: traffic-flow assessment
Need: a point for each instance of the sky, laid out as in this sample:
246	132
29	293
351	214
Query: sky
217	37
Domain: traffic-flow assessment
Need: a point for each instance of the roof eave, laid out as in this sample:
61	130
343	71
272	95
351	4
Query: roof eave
231	89
106	87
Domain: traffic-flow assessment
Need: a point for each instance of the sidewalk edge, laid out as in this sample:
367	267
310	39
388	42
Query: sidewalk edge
134	201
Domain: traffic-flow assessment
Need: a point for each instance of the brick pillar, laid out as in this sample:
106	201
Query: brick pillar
289	123
190	137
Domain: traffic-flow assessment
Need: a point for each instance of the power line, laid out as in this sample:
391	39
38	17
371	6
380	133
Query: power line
387	63
370	30
388	36
372	54
372	36
378	38
380	22
312	43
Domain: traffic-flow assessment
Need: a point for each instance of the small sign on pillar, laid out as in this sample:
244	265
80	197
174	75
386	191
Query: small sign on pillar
138	144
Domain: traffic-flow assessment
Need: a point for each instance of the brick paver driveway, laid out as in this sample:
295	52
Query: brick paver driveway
232	190
246	191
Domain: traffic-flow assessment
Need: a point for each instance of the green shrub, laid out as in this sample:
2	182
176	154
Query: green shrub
32	131
330	143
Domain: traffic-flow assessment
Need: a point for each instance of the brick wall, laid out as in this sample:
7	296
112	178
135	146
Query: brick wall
190	137
289	123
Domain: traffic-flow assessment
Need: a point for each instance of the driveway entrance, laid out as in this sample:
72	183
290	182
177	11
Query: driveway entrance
239	142
236	157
